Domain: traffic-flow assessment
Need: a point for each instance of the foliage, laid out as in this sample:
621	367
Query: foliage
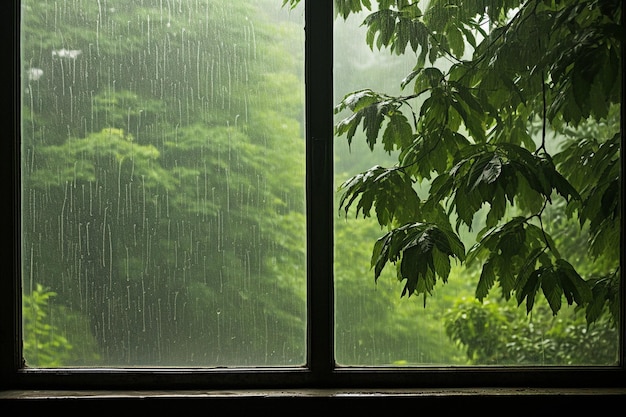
155	209
43	345
54	335
497	90
372	325
497	334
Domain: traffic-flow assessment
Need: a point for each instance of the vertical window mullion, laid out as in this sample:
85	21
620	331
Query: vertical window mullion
10	308
622	282
319	173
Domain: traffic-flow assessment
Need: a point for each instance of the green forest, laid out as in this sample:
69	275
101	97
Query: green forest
163	172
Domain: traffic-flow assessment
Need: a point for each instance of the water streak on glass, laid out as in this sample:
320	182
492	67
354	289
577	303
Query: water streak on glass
457	242
163	183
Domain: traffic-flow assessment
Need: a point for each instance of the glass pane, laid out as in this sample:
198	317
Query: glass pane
477	161
163	183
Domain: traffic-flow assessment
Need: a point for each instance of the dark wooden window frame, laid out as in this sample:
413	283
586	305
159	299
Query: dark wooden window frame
321	372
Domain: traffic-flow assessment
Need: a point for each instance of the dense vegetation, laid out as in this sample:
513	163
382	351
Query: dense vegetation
163	176
153	205
507	128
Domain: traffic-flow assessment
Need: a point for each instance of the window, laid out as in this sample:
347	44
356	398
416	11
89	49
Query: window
308	359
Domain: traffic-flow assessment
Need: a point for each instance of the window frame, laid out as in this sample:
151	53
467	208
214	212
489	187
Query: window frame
320	371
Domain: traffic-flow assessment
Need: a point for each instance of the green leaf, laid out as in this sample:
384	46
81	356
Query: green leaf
455	40
550	285
372	122
529	291
358	100
574	287
486	281
491	171
398	133
348	126
381	27
410	77
497	207
390	190
421	252
469	36
429	77
380	255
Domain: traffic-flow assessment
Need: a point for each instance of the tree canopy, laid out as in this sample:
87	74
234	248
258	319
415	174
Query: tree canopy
153	206
510	128
157	229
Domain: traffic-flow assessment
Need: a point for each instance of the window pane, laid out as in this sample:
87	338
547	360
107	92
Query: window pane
163	183
477	161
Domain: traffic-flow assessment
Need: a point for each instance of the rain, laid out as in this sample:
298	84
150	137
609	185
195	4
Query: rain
157	184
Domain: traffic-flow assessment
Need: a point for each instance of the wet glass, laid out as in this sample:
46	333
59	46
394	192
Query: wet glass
163	183
376	322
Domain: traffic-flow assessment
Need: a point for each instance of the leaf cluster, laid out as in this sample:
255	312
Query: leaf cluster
499	334
422	252
496	88
391	189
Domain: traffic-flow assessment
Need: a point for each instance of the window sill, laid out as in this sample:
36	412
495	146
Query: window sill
515	400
